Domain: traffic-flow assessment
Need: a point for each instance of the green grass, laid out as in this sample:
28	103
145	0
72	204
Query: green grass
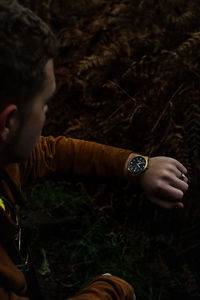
71	253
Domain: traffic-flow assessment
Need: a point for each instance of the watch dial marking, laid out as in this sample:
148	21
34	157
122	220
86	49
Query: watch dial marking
137	164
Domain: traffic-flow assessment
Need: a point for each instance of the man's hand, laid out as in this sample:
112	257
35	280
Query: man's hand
162	182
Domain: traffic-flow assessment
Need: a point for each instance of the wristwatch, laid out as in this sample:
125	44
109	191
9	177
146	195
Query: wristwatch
138	164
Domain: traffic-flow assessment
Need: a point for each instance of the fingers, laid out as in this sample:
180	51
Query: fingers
166	204
180	167
168	191
165	182
183	177
170	196
179	180
174	173
180	174
171	178
176	167
180	184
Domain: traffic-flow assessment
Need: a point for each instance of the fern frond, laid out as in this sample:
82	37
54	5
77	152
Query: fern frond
182	22
92	61
146	67
68	38
191	45
89	62
192	129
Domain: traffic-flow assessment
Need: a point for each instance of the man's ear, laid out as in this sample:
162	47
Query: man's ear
7	121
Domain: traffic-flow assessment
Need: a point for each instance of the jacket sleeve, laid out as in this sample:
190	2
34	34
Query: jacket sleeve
106	288
102	288
74	159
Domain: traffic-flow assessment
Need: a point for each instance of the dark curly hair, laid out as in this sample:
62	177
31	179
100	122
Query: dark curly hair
26	44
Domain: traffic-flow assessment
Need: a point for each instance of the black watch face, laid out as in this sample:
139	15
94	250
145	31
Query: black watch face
137	164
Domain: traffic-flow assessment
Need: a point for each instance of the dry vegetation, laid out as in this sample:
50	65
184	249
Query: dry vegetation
128	75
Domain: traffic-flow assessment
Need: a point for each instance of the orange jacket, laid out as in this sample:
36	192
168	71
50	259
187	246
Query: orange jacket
73	160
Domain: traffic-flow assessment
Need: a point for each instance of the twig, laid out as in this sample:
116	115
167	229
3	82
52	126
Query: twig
169	103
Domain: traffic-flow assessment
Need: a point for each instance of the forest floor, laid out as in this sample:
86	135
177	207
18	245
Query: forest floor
81	230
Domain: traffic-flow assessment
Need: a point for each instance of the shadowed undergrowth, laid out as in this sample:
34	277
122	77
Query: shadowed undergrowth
127	75
73	242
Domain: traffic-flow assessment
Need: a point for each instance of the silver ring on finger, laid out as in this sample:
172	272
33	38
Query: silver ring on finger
182	177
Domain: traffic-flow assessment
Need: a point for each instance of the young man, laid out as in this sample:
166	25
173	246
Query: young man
27	82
